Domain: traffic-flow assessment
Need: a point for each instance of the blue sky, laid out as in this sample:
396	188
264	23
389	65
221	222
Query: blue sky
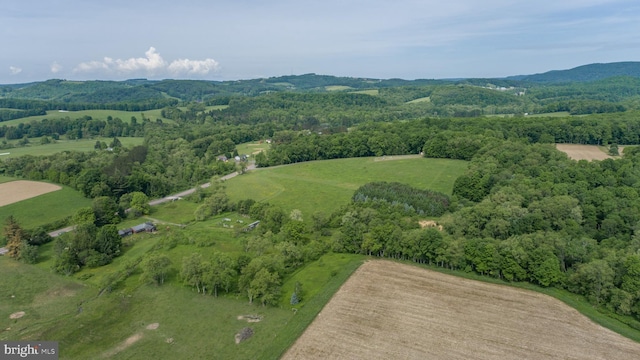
244	39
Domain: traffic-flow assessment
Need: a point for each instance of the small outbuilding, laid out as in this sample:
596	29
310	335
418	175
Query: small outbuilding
144	227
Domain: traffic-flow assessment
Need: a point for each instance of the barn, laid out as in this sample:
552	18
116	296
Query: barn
144	227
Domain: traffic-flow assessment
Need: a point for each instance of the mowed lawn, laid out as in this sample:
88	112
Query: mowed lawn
36	149
325	185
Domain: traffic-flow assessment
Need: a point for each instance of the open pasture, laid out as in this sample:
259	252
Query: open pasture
95	114
419	100
372	92
252	148
325	185
583	152
138	321
37	149
388	310
15	191
337	88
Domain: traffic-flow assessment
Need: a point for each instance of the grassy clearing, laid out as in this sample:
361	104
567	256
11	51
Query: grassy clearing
46	208
252	148
35	149
325	185
4	179
372	92
190	325
95	114
419	100
337	88
553	114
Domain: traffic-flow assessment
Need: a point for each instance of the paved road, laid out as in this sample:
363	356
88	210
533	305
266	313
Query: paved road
192	190
162	200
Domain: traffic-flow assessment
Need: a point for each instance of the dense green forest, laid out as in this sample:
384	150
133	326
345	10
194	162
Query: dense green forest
523	211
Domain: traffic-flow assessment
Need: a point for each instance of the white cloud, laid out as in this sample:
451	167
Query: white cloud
55	67
151	64
193	67
15	70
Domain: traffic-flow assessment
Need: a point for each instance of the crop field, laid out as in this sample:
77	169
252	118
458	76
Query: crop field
325	185
15	191
388	310
44	208
583	152
95	114
36	149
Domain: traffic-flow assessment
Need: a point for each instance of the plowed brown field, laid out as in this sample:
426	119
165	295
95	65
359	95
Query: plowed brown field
15	191
388	310
583	152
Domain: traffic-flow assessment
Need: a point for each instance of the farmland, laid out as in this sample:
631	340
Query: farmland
323	185
16	191
506	207
583	152
186	323
388	310
45	208
94	114
37	149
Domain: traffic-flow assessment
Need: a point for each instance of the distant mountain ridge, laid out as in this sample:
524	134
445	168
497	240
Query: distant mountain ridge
168	91
584	73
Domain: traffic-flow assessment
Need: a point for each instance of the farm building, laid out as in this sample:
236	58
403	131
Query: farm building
251	226
144	227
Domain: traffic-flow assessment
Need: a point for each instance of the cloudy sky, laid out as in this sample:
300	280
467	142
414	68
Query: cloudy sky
243	39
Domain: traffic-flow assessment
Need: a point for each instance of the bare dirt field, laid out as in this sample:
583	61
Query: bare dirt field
583	152
15	191
388	310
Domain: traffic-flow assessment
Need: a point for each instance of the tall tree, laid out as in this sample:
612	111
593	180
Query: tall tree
14	235
155	269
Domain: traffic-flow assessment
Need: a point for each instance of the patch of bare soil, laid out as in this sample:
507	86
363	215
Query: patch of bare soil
250	318
388	310
429	224
19	190
17	315
243	335
583	152
153	326
124	345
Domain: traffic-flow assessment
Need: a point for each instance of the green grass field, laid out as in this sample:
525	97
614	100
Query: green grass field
325	185
419	100
372	92
252	148
36	149
337	88
190	325
45	208
95	114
